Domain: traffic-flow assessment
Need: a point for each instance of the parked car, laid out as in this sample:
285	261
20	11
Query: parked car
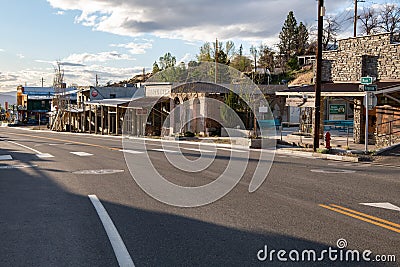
14	123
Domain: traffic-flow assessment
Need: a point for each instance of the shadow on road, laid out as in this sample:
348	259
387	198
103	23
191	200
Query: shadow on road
43	224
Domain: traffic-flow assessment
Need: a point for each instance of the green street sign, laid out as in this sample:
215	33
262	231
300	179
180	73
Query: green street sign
370	88
366	80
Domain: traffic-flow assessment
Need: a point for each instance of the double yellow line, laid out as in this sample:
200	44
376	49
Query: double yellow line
363	217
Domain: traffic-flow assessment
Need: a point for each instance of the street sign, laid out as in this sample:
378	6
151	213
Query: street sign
370	87
372	101
366	80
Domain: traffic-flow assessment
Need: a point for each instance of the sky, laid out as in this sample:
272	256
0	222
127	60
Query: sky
117	39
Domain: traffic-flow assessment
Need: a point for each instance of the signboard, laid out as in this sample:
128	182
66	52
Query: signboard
142	111
337	109
95	93
158	90
370	88
366	80
263	109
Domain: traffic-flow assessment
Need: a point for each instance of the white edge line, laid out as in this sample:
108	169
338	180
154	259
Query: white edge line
27	147
121	253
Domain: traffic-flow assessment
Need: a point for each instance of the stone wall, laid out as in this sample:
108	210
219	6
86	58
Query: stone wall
373	55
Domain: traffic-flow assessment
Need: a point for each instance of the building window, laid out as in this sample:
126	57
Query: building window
113	96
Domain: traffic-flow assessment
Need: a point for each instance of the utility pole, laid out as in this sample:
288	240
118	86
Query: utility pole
216	60
97	80
42	81
356	15
321	13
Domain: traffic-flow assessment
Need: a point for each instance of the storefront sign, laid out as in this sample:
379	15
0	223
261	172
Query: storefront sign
337	109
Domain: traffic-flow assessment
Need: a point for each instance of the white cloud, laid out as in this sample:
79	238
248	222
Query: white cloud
99	57
202	20
86	75
136	48
20	56
1	50
82	75
59	13
186	58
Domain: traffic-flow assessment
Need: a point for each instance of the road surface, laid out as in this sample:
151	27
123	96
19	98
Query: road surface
61	206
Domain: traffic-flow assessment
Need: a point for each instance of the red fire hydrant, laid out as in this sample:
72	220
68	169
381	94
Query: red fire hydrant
328	140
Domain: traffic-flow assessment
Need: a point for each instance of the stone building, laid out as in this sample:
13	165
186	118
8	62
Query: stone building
376	56
372	55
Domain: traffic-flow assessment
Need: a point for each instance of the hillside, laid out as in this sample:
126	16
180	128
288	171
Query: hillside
10	97
303	77
140	78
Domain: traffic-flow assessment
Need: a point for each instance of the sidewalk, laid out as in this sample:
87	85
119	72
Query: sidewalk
339	140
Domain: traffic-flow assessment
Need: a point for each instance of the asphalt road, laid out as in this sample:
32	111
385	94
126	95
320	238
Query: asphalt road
48	219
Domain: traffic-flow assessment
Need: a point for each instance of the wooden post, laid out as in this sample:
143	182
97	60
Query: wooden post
116	120
96	126
84	119
102	120
108	120
90	119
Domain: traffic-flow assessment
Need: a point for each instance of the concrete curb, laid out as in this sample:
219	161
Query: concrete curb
319	155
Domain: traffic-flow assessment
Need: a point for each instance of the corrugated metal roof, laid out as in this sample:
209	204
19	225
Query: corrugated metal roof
142	102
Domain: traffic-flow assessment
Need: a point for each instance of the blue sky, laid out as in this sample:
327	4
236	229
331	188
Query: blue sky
116	39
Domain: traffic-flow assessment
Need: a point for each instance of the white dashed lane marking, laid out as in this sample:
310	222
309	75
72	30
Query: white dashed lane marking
165	150
81	154
5	157
131	151
233	150
44	155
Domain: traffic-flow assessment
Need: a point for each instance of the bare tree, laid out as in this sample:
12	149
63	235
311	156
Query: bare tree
389	20
331	31
369	19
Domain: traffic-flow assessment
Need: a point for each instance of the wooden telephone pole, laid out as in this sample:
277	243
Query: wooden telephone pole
318	78
356	16
216	60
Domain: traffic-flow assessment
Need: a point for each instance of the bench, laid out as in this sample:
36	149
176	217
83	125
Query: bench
341	125
269	123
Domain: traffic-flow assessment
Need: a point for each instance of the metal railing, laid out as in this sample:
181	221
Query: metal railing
392	129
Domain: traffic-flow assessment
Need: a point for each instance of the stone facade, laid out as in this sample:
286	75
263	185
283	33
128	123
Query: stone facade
373	55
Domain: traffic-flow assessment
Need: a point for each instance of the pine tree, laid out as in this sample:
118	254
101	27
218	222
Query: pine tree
302	39
288	36
156	68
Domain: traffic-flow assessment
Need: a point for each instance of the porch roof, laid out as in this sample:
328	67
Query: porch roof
135	103
338	89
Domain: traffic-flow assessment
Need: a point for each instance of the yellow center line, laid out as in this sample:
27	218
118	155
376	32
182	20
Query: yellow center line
366	215
361	218
69	141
